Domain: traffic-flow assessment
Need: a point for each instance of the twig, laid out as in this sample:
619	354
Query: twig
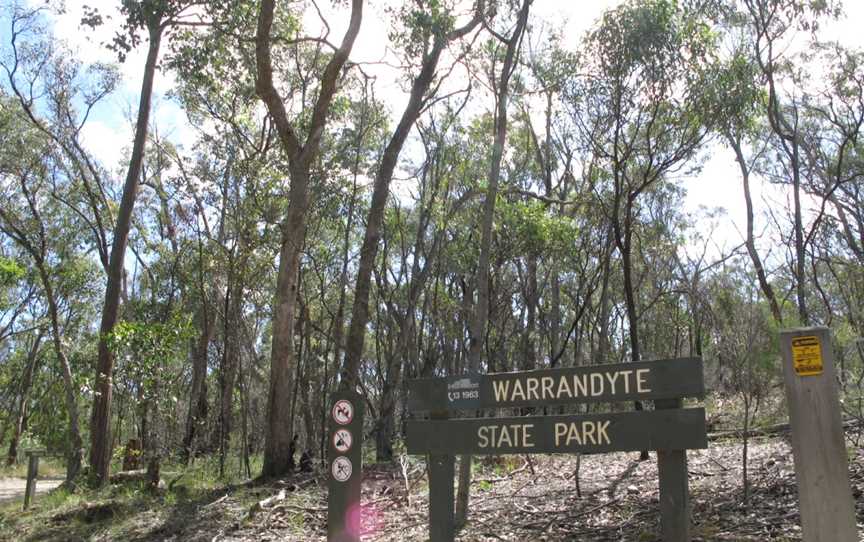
217	501
310	509
718	463
509	475
547	524
264	504
403	463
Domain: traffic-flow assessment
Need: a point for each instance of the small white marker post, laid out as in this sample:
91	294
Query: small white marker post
818	444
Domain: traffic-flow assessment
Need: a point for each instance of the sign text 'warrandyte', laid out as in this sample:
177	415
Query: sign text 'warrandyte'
598	383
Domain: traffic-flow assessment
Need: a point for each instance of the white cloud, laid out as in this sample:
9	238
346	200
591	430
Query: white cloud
90	44
107	143
719	184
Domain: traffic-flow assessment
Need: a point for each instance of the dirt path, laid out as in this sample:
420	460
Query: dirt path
13	488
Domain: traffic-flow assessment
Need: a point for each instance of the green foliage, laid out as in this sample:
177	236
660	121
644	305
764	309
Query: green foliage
628	113
215	73
10	272
149	16
745	337
638	34
422	20
533	228
147	352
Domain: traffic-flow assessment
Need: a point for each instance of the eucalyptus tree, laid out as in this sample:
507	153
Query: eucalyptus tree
48	86
230	179
166	281
740	126
56	95
41	76
154	18
301	154
773	26
36	223
835	152
500	83
418	239
551	170
225	178
352	154
642	109
553	177
832	174
668	313
429	31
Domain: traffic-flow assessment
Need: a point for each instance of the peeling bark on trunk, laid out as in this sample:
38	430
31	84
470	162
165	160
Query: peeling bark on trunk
197	414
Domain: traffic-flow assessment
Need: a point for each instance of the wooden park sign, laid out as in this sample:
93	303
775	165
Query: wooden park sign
669	429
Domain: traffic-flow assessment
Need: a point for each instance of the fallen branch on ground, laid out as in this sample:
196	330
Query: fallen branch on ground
267	503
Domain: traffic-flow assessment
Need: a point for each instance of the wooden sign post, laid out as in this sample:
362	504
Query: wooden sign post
674	490
346	438
818	444
32	475
442	473
670	429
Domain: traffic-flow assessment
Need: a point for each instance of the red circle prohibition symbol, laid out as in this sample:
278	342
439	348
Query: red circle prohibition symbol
342	440
343	412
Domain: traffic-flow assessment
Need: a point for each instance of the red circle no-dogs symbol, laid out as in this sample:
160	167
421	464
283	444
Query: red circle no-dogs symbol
343	412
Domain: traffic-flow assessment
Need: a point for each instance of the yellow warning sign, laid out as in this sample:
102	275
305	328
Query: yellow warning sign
807	355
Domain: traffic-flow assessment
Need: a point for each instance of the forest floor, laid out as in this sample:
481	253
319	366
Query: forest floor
511	499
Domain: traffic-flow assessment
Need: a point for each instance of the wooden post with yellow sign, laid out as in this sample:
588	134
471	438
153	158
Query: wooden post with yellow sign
818	444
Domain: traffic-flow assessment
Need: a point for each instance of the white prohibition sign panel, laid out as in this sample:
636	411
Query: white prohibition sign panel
343	412
342	440
341	468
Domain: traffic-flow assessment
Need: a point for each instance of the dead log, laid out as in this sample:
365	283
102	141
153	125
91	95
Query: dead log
266	503
770	430
124	476
138	476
